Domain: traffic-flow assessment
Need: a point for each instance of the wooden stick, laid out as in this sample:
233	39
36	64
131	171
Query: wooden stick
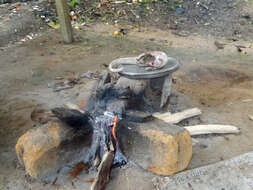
177	117
104	171
209	129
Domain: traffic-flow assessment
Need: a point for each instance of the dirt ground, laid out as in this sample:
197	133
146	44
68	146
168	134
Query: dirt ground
218	81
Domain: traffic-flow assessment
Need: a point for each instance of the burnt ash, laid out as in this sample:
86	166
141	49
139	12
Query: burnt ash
109	98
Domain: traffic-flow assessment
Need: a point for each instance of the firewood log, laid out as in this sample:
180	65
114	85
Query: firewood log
177	117
104	170
209	129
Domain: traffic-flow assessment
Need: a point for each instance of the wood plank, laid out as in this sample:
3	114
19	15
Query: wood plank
209	129
177	117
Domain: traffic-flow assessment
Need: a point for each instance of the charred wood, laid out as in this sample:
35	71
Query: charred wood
104	171
73	118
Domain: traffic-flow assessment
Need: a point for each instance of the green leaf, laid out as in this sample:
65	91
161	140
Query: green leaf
72	3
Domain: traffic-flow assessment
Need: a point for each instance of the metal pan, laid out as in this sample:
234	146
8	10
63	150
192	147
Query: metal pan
133	71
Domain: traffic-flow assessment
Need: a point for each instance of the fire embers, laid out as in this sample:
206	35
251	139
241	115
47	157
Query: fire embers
104	132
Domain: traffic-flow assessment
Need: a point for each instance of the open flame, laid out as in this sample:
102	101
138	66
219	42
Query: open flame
115	120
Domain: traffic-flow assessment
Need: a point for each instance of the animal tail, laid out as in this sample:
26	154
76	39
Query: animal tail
115	66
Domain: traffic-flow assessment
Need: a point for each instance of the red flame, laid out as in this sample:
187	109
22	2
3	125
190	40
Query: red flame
114	127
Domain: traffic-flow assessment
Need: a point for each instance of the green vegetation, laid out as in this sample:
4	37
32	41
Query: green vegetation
74	3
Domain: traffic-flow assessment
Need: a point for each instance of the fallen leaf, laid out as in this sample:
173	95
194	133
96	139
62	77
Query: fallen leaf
91	180
116	33
53	25
80	165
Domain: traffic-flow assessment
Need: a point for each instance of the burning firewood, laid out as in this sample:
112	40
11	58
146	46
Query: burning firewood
104	170
104	143
103	110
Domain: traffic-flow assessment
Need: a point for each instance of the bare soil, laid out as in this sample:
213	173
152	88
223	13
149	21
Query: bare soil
219	82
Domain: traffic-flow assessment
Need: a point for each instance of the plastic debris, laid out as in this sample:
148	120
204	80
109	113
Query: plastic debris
179	11
53	25
116	33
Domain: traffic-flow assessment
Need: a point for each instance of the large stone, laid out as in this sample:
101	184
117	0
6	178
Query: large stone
45	149
156	146
234	174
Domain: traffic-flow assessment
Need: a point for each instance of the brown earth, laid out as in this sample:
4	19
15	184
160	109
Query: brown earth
217	81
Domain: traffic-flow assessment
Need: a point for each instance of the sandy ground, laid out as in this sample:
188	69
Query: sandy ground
217	81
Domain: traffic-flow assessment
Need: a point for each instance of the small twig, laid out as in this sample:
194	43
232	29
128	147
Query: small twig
119	2
54	181
196	21
60	88
250	117
137	16
203	5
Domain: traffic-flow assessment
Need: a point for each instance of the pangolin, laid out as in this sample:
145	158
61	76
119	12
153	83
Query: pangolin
151	60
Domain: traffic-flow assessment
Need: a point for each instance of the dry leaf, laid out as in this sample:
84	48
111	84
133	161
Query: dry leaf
77	169
91	180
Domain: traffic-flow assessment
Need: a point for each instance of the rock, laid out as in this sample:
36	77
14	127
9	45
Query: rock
219	45
235	173
137	86
158	147
130	177
45	149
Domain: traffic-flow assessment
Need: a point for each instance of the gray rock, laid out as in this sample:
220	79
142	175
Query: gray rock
156	146
233	174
